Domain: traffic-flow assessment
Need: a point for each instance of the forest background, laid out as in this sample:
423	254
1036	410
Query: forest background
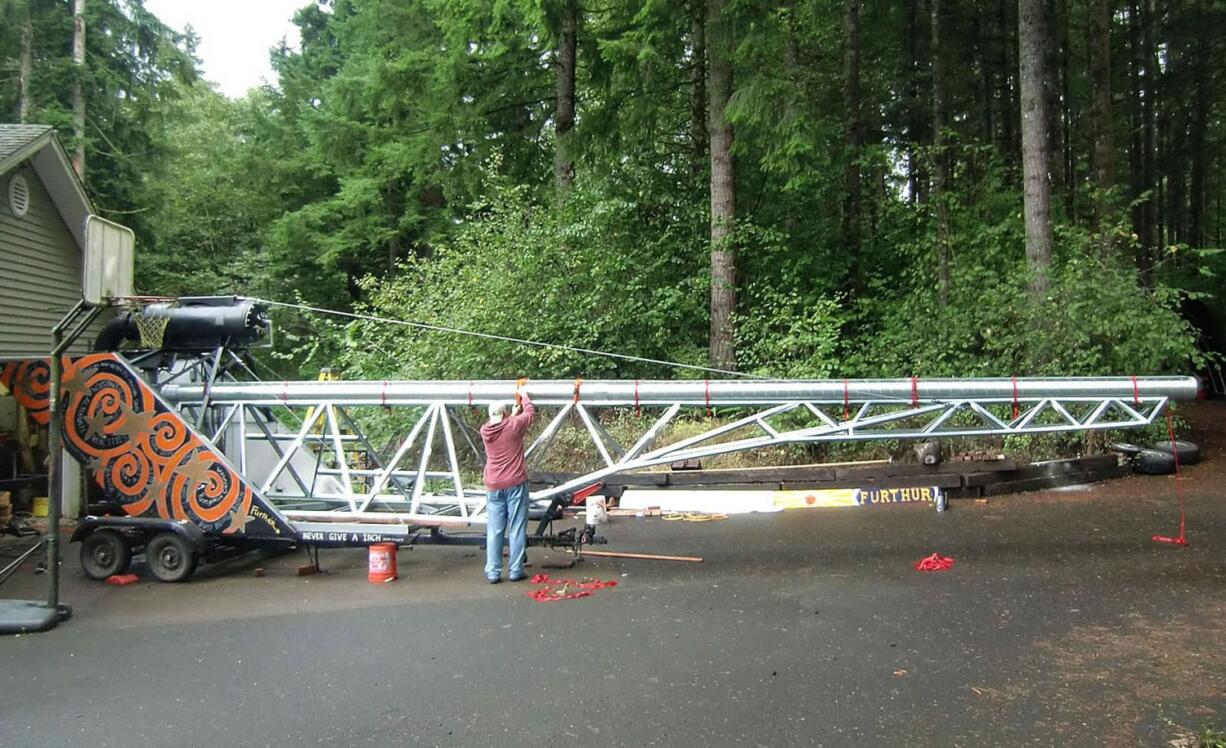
797	188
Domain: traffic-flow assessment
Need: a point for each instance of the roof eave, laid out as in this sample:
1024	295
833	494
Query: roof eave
51	163
14	159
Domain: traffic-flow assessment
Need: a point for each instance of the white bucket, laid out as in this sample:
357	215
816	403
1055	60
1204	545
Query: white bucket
597	514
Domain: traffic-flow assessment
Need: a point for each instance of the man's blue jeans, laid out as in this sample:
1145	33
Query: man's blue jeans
507	512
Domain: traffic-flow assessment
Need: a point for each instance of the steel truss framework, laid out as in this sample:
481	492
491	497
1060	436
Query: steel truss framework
329	468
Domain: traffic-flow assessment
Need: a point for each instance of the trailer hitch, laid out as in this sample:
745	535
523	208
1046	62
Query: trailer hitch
559	504
573	539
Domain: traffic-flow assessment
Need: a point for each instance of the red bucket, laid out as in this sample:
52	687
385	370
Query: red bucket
382	563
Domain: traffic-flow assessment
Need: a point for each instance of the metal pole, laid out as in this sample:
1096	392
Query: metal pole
615	393
54	444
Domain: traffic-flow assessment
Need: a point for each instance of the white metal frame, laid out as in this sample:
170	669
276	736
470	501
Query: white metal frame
417	477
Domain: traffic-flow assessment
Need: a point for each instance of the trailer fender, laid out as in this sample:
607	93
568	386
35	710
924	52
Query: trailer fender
143	527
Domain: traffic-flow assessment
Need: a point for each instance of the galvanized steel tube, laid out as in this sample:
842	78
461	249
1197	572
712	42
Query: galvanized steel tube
597	393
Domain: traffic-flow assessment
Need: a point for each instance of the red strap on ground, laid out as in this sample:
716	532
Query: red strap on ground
707	395
578	384
1016	410
935	562
914	392
1183	538
637	410
552	589
121	580
846	402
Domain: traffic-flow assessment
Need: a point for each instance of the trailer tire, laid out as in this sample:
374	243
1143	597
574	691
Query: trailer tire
105	553
1125	448
1187	452
1153	462
170	557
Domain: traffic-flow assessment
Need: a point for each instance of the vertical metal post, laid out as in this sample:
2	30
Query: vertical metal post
54	468
342	460
242	438
55	445
420	483
454	462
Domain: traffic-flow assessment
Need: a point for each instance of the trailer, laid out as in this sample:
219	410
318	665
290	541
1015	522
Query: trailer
195	458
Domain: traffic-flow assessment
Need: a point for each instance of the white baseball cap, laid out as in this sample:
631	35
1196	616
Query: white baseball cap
498	411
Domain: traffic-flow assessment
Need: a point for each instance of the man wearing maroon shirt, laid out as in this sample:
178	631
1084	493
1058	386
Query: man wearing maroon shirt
506	484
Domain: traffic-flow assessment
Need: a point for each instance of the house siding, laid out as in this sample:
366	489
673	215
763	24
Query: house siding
40	274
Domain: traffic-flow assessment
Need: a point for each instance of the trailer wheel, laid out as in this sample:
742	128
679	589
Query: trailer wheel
1187	452
1153	462
170	557
105	553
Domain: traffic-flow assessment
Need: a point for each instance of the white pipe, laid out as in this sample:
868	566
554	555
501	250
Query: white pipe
688	392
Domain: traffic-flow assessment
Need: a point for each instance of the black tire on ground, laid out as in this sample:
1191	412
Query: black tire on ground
170	557
1153	462
105	553
1187	452
1126	448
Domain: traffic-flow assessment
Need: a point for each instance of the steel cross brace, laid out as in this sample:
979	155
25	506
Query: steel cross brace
318	431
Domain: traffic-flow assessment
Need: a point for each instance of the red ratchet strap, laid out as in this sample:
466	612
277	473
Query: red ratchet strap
578	384
1182	539
914	392
383	394
846	401
935	562
553	589
285	393
707	395
1136	393
638	411
1016	410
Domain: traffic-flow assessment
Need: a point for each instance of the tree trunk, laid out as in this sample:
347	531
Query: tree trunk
1008	90
393	208
1218	222
78	96
1068	162
1174	137
1162	156
723	189
1200	121
1103	155
698	100
1051	64
915	169
853	128
564	111
1034	30
985	83
1136	140
940	156
25	66
1149	131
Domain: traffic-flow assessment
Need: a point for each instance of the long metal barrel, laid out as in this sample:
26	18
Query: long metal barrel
598	393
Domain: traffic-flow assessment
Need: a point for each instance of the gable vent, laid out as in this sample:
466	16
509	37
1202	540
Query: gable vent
19	196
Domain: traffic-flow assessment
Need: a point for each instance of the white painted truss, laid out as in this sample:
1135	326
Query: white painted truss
368	453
